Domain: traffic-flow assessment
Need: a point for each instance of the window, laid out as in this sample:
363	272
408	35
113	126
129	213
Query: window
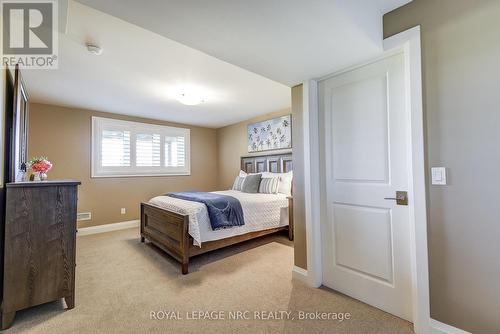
148	149
115	148
174	151
122	148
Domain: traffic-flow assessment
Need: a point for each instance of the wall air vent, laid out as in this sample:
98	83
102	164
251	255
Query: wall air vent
84	216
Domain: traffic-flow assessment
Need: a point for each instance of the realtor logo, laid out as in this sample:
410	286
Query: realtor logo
29	34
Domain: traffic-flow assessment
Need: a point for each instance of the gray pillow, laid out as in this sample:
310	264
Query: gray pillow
251	183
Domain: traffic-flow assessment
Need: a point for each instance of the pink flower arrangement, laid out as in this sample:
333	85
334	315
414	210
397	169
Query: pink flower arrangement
40	165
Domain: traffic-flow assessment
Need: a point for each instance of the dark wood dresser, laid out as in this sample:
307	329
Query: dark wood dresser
39	245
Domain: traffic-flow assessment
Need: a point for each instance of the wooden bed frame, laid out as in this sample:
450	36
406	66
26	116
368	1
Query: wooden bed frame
169	230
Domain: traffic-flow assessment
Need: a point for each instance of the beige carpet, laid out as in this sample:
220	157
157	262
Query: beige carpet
121	281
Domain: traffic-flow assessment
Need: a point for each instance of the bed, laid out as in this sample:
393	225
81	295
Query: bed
182	228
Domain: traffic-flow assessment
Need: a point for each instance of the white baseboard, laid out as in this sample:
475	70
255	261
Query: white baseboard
442	328
108	227
300	274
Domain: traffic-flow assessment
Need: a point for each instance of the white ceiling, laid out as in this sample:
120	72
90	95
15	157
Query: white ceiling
289	41
139	69
243	54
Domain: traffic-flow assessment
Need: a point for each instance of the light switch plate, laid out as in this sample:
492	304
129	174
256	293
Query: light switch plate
438	175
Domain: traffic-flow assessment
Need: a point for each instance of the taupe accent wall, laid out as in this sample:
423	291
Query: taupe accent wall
232	144
64	135
461	72
300	246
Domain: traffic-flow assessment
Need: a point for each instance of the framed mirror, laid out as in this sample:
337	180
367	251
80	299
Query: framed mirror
19	134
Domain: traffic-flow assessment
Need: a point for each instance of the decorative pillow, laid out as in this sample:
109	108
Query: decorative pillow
285	185
243	173
269	185
251	184
238	183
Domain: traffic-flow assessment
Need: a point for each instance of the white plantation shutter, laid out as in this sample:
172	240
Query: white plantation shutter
122	148
115	148
175	151
147	148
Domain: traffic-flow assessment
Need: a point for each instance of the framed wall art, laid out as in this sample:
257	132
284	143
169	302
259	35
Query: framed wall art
273	134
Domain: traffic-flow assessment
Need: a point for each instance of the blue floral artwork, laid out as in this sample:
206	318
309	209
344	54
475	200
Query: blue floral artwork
273	134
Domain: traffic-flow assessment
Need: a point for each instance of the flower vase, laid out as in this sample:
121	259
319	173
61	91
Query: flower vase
40	176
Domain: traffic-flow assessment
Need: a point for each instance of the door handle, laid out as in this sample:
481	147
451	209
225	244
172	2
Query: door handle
401	198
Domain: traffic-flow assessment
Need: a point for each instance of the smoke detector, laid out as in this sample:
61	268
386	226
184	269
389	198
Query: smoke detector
94	49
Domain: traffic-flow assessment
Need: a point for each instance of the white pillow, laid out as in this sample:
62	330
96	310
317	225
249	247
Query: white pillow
285	186
243	173
238	183
269	185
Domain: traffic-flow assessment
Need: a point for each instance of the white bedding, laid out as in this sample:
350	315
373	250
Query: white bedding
261	212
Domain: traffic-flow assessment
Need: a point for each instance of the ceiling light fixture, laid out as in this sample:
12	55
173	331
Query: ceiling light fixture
190	99
94	49
189	94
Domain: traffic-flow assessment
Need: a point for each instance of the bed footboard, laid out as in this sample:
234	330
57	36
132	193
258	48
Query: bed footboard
168	231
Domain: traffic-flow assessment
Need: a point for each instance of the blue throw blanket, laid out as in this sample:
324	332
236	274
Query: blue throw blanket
223	211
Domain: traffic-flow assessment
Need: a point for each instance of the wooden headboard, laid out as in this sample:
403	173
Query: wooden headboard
275	163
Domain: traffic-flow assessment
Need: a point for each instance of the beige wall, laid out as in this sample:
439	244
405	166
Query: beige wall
461	71
64	135
300	246
232	144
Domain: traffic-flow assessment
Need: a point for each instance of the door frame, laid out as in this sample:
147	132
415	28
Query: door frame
408	42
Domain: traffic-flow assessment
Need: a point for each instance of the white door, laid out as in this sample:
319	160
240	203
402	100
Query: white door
365	237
